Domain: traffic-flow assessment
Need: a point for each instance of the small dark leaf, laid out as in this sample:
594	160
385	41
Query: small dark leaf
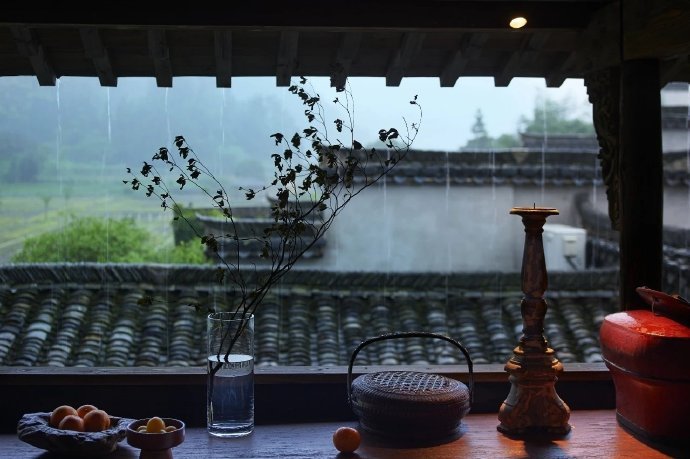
278	137
220	275
356	145
296	139
145	169
163	153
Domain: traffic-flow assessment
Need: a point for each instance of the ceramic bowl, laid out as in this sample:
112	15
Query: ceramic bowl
33	428
155	445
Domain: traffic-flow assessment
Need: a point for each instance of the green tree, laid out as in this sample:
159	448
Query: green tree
505	141
554	117
480	137
105	240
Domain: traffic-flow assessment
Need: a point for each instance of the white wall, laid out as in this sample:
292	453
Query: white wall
433	228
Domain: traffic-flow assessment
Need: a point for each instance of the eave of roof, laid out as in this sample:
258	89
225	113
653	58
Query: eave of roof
448	39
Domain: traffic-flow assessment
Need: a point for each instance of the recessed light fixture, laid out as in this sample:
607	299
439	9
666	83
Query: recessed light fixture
518	22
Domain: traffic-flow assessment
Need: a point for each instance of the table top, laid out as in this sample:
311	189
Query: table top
594	434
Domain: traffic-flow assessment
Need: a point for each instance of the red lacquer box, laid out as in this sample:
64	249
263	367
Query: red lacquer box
648	354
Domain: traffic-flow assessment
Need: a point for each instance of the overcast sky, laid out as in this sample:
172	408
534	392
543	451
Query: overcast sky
448	112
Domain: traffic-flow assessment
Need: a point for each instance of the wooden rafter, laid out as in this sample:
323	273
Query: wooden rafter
29	47
410	45
97	52
468	49
347	52
596	48
223	52
158	49
530	47
556	78
287	57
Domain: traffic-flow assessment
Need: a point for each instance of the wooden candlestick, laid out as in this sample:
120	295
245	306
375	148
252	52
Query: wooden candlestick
533	406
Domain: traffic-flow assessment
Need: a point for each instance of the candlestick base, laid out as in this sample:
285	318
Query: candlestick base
532	405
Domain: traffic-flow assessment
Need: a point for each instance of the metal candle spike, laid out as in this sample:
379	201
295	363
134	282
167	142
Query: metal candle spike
533	406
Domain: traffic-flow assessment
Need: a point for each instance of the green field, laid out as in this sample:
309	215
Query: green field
29	209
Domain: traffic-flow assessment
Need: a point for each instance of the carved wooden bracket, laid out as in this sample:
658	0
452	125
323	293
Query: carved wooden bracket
603	89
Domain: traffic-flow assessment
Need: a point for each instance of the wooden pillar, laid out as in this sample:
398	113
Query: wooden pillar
641	180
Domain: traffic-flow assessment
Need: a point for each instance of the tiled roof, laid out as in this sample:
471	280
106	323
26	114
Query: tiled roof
524	166
89	315
556	142
603	250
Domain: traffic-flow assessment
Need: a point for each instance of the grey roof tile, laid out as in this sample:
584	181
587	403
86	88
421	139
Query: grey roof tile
89	315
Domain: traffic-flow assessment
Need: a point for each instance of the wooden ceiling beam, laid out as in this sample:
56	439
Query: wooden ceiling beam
347	52
97	52
529	49
673	70
596	48
287	57
29	47
159	52
223	53
468	49
410	46
658	29
421	14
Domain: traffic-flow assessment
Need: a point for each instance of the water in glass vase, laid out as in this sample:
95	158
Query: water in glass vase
231	395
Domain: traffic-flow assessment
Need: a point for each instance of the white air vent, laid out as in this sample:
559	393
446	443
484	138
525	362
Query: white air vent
564	247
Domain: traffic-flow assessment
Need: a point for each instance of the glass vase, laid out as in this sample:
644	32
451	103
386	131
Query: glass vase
230	385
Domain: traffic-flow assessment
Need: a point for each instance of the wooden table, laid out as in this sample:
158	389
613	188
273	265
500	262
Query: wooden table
595	434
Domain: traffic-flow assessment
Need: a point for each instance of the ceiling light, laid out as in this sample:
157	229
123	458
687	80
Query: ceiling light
518	22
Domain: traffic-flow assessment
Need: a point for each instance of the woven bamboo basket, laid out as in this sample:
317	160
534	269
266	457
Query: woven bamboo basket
410	406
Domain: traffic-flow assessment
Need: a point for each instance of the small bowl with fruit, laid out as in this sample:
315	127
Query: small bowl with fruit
83	431
155	436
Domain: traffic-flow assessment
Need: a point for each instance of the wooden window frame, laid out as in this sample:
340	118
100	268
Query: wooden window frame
283	394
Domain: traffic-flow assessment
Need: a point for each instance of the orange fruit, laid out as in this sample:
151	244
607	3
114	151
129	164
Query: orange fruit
72	422
59	413
82	410
346	439
96	420
155	425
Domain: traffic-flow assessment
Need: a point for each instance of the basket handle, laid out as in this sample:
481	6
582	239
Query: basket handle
409	335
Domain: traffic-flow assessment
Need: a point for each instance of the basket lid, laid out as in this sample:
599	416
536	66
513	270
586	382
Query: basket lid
409	386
